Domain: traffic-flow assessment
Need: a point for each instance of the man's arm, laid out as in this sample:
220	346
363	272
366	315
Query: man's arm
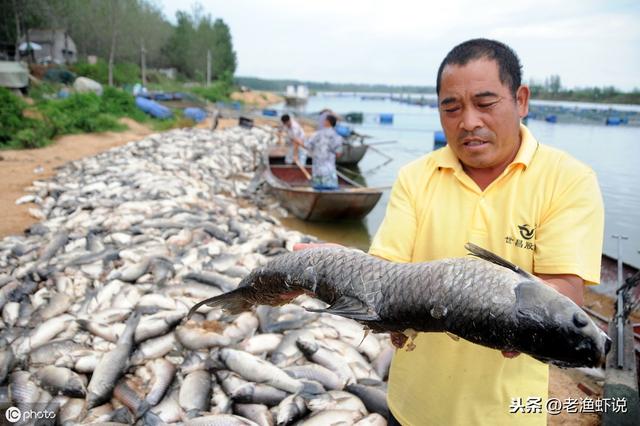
570	285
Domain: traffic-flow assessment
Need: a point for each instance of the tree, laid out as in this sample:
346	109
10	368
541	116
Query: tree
224	57
178	45
554	84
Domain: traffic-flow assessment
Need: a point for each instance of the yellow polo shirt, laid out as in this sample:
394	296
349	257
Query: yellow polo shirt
545	214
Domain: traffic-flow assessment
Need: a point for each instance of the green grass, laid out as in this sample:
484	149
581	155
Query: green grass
123	72
16	130
78	113
220	90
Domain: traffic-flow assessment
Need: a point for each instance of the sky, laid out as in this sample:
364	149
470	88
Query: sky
586	42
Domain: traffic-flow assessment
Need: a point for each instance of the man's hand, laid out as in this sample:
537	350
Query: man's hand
398	339
570	285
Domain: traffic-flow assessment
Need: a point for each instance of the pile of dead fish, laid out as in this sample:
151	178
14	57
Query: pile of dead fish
93	299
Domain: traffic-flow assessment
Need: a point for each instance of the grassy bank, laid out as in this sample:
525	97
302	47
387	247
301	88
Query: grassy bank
36	124
33	126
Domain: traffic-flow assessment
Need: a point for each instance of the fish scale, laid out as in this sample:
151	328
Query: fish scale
482	298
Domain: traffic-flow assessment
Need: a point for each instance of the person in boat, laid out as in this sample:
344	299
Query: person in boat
294	134
322	115
324	147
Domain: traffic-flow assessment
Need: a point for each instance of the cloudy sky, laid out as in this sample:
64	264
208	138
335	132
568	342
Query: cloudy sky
586	42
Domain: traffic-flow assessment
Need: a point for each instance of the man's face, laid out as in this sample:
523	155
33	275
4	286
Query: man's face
287	124
479	115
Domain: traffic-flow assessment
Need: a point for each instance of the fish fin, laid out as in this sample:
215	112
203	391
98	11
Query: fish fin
364	335
485	254
349	307
233	302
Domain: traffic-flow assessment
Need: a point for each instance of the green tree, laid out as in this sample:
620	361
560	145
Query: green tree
224	57
178	47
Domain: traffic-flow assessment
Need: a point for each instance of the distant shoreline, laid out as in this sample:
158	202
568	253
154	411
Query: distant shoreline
593	95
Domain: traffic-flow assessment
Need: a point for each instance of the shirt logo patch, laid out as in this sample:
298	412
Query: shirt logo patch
526	231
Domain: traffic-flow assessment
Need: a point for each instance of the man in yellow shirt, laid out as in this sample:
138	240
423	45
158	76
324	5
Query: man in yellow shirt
496	186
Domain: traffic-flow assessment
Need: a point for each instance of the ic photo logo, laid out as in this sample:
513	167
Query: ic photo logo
13	414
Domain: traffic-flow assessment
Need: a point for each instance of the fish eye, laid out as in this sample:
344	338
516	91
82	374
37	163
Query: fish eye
580	319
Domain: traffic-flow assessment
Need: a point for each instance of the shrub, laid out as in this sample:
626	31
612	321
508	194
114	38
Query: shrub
120	103
11	119
80	112
123	73
18	131
36	136
220	90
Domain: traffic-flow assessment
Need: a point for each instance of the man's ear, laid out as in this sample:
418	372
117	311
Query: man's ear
522	99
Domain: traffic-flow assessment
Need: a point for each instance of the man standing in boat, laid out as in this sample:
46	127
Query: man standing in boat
294	135
324	147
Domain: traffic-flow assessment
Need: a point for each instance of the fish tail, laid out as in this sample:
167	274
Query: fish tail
234	302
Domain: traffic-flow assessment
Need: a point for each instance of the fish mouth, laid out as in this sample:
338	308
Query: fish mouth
602	361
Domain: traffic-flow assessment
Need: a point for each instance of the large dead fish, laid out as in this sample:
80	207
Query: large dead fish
483	298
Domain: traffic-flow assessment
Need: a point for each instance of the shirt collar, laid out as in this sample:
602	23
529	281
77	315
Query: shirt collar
445	157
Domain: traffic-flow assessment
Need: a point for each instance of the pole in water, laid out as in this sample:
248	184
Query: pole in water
620	303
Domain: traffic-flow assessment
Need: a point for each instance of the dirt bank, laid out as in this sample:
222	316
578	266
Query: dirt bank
257	98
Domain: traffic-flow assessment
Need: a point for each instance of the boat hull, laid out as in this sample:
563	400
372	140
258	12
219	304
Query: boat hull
292	190
352	154
295	101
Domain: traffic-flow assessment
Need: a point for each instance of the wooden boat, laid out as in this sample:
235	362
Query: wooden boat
352	153
293	190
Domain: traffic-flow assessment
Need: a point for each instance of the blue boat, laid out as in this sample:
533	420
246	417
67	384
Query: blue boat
385	118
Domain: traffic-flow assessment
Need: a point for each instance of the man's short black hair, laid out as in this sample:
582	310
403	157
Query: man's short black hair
285	118
331	119
509	67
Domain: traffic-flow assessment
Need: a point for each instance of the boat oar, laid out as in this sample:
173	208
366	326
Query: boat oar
297	161
380	152
381	143
345	178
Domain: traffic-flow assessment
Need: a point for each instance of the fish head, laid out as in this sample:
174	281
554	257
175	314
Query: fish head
551	323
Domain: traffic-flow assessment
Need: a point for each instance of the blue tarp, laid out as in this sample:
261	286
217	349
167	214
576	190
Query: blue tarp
342	130
153	108
196	114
